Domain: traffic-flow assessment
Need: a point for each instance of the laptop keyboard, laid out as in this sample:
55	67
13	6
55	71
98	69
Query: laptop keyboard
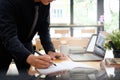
80	57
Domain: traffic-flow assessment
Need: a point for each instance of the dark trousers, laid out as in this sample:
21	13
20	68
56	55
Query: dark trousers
6	58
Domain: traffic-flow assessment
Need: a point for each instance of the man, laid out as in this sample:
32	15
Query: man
16	32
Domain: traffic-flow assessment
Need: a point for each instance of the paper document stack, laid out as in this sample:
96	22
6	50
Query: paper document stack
62	66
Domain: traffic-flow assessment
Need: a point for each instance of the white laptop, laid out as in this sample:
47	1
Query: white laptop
94	50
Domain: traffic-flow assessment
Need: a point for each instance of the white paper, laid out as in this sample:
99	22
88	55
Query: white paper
62	66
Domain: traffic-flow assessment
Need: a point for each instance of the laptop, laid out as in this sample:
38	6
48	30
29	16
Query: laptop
89	48
96	43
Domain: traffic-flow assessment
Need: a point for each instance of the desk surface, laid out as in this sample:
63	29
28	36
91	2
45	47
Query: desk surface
100	72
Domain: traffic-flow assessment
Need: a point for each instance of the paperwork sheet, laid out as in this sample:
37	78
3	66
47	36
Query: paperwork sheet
62	66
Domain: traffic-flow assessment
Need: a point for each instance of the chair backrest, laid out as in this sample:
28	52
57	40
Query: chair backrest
87	33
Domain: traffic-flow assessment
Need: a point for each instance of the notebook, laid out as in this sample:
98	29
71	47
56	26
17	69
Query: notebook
98	52
63	66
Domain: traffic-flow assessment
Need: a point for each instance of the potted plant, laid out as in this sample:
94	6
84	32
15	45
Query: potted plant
113	42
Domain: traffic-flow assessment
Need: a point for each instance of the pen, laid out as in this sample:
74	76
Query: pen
47	61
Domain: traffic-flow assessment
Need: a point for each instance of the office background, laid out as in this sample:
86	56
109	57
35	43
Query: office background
73	21
74	15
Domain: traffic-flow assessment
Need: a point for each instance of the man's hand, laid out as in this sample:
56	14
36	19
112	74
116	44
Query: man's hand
42	62
56	55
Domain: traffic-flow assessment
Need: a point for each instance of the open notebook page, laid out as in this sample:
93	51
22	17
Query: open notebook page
62	66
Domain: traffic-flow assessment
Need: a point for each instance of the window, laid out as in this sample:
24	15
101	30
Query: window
85	12
60	12
111	15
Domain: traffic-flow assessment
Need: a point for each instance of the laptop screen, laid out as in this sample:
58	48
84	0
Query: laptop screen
99	49
91	43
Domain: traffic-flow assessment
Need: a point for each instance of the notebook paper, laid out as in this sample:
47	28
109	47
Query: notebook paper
62	66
